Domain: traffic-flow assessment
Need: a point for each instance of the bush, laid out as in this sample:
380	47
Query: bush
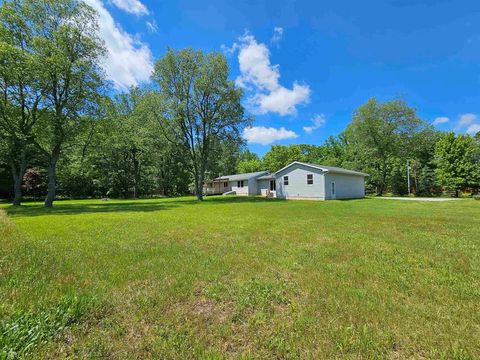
476	197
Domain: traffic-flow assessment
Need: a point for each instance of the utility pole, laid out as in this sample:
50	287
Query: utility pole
408	176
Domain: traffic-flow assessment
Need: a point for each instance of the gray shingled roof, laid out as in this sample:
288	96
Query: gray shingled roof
266	177
338	170
331	169
244	176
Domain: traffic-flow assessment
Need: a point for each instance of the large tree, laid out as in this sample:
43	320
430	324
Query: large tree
380	133
457	166
68	51
21	94
198	106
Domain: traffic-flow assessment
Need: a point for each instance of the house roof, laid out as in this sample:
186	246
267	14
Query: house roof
266	177
331	169
245	176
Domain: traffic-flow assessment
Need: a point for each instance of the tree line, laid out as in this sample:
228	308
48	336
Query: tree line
63	133
382	140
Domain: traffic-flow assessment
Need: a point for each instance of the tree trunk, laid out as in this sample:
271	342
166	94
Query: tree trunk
52	170
17	190
384	179
17	174
136	175
199	187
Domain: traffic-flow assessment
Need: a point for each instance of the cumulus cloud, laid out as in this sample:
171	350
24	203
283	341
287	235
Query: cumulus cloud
128	61
266	135
277	35
466	119
440	120
317	122
262	78
473	129
131	6
152	26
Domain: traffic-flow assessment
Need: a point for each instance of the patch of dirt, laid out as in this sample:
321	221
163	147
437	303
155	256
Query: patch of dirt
206	310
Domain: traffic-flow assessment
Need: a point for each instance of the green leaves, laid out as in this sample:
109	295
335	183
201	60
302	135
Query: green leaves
456	162
382	133
201	106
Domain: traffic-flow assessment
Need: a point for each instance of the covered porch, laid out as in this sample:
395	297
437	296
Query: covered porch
267	185
216	186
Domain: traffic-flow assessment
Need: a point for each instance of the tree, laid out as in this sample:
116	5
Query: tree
20	93
134	135
198	106
249	162
381	132
280	156
456	165
226	155
68	51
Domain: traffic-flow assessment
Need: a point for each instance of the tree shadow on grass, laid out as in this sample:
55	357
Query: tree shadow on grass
219	199
112	206
87	208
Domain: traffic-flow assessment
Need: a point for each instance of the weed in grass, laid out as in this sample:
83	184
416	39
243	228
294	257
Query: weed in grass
24	331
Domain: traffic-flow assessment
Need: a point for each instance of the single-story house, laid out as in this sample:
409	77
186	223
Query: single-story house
298	180
239	184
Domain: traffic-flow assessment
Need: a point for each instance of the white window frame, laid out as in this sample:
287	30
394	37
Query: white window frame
309	179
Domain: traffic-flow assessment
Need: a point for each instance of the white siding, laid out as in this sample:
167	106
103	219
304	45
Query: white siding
239	190
263	186
346	186
297	183
252	186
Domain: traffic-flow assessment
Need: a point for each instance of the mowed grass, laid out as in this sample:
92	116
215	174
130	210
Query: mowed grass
240	277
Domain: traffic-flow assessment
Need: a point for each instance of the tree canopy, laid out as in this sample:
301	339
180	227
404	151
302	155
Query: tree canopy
198	106
64	131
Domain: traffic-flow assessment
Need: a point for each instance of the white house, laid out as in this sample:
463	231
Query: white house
318	182
298	180
239	184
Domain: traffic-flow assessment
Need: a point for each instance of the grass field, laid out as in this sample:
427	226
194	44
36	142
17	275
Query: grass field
240	278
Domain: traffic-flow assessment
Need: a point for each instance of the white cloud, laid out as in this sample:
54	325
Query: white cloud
131	6
128	61
317	121
258	75
277	35
466	119
263	135
473	129
440	120
152	26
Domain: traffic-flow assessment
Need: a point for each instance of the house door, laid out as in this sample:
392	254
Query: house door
273	185
333	193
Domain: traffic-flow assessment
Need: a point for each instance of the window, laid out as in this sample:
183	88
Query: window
309	179
285	180
240	183
333	189
225	184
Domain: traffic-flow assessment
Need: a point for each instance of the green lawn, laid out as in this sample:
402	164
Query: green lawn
241	278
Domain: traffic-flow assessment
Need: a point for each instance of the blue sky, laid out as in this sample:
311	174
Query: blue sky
307	65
